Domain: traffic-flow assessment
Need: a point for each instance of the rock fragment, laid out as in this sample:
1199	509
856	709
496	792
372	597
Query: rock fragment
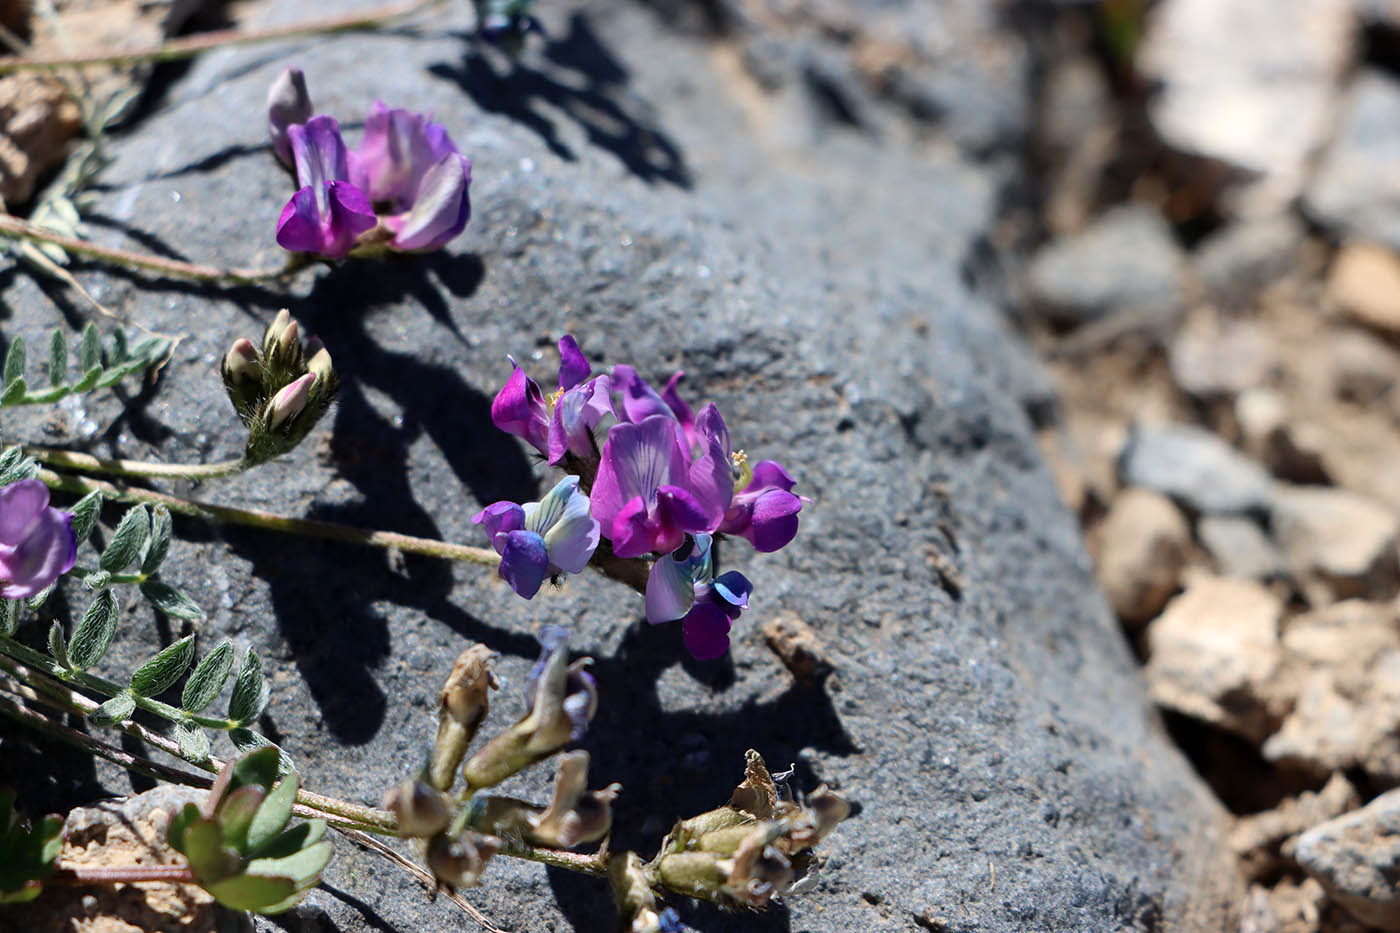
1257	837
1354	192
1214	652
1356	857
1365	285
1235	262
1141	550
1290	450
1210	361
1196	468
1342	538
1125	263
1364	368
1239	547
797	646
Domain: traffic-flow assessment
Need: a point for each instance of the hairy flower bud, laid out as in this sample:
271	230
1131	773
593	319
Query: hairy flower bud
320	364
636	905
273	334
242	374
288	103
421	810
458	863
462	706
289	401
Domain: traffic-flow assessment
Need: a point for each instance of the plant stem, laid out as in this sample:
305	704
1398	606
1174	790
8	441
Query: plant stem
144	468
595	864
190	46
17	229
131	874
311	528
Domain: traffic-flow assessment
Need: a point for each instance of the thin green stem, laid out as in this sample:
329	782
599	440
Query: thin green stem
270	521
190	46
17	229
87	463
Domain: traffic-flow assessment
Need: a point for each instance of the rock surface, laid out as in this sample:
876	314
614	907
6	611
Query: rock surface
1356	858
1365	284
637	186
1345	539
1240	547
1196	468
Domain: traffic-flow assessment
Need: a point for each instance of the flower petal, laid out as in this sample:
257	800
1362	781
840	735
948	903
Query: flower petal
500	518
548	510
21	505
630	531
711	478
637	460
639	399
441	207
705	631
519	409
524	562
670	590
574	536
396	152
47	553
684	416
774	521
573	365
733	588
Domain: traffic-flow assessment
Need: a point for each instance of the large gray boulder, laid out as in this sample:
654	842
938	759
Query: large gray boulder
636	185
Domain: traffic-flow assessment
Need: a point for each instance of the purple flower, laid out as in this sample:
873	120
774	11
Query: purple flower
563	423
37	544
648	494
682	585
407	164
329	213
765	512
288	103
540	539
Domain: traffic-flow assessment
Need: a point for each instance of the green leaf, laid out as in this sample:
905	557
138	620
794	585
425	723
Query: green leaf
90	353
235	814
157	674
160	540
94	633
208	678
251	892
57	646
10	458
250	691
183	819
126	540
258	768
9	617
170	601
119	351
85	512
273	815
18	467
194	744
290	841
14	392
14	361
26	854
58	358
115	710
303	867
203	848
88	380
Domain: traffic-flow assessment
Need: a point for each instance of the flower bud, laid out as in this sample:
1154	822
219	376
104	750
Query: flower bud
636	904
242	374
458	863
421	810
274	331
461	709
289	401
574	815
320	365
288	103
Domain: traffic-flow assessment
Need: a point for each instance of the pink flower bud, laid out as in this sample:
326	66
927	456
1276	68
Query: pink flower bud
289	401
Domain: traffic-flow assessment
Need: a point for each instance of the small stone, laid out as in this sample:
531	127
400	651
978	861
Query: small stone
1248	83
1239	547
1213	653
1356	857
1290	450
1344	539
1196	468
1234	263
1354	192
1288	907
1365	284
1364	367
1209	361
1125	263
1142	549
797	646
1256	838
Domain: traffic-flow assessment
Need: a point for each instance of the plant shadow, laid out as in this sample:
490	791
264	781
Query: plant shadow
582	79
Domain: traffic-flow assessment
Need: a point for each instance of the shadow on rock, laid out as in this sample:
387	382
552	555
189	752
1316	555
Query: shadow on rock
583	79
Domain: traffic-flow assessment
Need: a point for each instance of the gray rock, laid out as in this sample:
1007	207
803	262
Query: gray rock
1221	360
623	193
1195	467
1354	192
1125	263
1236	261
1239	547
1356	858
1344	538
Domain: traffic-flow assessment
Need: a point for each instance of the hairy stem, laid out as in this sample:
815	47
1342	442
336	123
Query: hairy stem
190	46
69	873
87	463
270	521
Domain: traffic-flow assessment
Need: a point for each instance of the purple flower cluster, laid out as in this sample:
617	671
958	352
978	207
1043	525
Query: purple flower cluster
666	480
405	186
37	544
